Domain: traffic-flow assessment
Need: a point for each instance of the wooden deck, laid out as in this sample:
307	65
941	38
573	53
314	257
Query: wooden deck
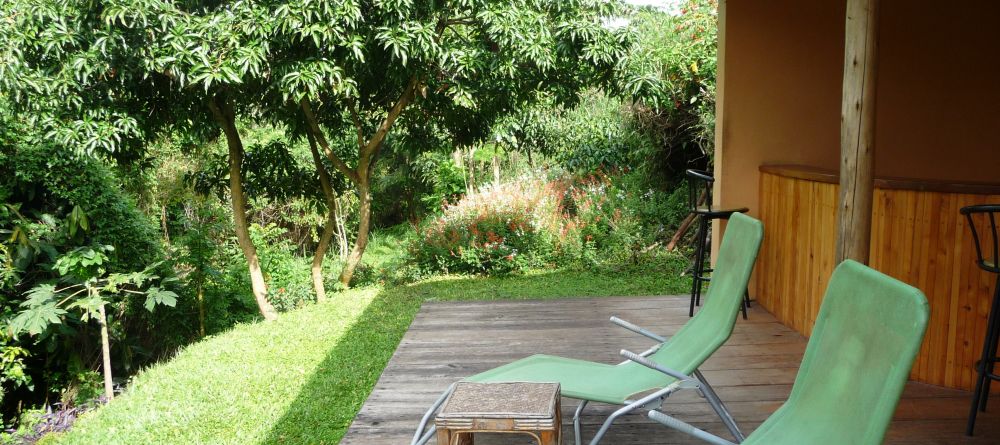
752	373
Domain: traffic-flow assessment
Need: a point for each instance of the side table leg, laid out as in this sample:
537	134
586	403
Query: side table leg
449	437
547	438
444	436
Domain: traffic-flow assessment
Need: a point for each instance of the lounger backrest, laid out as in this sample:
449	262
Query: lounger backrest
865	340
713	323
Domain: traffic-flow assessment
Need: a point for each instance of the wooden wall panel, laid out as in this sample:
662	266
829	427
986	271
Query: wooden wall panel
917	237
797	255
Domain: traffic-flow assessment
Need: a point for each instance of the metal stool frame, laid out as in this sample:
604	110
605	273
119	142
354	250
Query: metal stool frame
700	185
985	365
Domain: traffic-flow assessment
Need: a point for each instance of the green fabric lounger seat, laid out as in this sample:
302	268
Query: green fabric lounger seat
667	367
865	340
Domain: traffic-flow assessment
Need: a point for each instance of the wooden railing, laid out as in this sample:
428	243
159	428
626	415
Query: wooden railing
918	237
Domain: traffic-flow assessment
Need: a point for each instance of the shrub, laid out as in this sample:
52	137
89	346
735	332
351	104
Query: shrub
53	201
500	229
287	274
570	221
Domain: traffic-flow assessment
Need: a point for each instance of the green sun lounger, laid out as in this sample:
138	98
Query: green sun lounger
866	336
669	366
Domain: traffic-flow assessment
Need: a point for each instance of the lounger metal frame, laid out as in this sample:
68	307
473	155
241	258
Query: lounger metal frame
651	401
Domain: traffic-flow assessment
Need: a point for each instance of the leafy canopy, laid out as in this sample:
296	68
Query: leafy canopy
107	76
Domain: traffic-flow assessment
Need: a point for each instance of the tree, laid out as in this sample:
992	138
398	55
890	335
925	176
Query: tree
670	78
463	63
108	77
198	252
525	131
323	68
52	203
90	291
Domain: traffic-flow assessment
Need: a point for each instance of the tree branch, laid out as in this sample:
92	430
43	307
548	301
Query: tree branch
318	135
461	21
357	124
375	143
324	176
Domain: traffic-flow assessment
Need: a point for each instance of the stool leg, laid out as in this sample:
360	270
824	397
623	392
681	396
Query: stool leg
993	337
991	328
698	268
988	364
746	303
705	246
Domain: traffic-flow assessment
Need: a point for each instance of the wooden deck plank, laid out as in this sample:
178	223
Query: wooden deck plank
753	373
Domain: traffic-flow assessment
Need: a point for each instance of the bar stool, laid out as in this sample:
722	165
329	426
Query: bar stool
984	367
700	185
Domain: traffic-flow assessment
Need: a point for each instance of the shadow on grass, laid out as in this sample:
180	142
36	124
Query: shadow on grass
332	396
328	402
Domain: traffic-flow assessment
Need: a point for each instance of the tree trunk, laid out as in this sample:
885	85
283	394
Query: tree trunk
472	168
360	175
685	225
857	132
163	223
364	224
341	227
320	254
496	170
459	157
328	228
226	118
201	307
102	319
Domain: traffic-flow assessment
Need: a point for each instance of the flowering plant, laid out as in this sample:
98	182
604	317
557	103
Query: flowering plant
531	222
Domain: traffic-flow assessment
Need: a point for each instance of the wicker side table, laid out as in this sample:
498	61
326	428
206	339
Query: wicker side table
525	408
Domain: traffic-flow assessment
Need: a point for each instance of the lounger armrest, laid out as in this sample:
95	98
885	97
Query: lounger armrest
638	329
655	366
688	429
424	434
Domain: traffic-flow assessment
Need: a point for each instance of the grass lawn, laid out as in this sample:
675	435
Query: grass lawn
301	379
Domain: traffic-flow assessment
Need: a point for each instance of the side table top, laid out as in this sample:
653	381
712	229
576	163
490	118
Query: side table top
513	400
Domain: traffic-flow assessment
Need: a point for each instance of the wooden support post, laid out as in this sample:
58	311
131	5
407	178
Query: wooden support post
857	131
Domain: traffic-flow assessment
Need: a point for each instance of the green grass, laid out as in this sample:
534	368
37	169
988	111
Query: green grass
301	379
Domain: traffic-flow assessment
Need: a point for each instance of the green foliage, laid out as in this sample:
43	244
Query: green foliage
414	175
289	281
445	180
670	74
73	77
528	130
589	221
91	288
64	215
596	136
13	370
60	196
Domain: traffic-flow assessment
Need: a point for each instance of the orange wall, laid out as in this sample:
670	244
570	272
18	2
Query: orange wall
939	90
780	87
781	75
